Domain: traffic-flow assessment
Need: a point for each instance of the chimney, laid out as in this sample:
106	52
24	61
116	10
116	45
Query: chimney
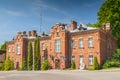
24	32
73	25
29	33
33	33
19	33
106	26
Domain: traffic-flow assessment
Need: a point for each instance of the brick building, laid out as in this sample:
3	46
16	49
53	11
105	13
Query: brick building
65	44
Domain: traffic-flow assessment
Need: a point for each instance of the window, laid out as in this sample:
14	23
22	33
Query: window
43	46
90	42
43	58
12	49
90	59
18	48
73	44
8	49
81	45
57	46
72	58
81	59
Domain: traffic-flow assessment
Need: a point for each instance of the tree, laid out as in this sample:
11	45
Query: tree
45	65
30	56
110	12
95	65
73	66
24	64
36	54
3	47
9	64
116	55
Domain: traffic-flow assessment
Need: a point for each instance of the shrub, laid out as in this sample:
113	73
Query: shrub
95	65
73	66
45	65
111	63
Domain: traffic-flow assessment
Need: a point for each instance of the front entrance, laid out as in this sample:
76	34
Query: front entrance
57	63
17	65
82	65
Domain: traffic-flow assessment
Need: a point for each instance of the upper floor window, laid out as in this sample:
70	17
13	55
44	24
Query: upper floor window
73	44
12	49
90	58
57	45
43	46
9	49
18	48
81	45
90	42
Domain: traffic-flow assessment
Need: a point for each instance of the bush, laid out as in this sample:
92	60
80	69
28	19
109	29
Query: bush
95	65
111	63
73	66
45	65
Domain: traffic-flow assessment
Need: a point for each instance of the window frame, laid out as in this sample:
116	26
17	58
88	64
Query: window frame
58	45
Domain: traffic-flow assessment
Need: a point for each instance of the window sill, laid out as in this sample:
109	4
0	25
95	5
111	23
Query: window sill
81	48
58	52
90	47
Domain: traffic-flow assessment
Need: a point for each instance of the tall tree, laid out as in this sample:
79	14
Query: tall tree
3	47
36	54
24	64
30	56
110	12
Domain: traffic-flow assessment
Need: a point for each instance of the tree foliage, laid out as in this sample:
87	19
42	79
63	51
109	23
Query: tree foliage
24	64
116	55
3	46
30	56
36	54
96	64
9	64
45	65
73	66
110	12
115	60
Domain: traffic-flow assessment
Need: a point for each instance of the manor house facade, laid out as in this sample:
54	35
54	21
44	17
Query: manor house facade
64	44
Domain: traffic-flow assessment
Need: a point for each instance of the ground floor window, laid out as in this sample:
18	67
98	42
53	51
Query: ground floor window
72	58
90	59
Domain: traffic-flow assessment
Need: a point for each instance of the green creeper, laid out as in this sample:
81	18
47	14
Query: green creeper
30	56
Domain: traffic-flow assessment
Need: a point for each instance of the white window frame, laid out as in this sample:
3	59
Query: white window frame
43	46
90	59
90	42
18	48
73	43
81	43
57	45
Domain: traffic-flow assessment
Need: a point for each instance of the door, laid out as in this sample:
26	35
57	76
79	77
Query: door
17	65
82	65
57	64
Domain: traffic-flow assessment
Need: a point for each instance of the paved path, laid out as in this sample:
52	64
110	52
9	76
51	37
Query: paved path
60	75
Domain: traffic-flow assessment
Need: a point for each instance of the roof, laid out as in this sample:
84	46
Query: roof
82	28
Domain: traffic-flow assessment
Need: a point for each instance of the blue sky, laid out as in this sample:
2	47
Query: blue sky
24	15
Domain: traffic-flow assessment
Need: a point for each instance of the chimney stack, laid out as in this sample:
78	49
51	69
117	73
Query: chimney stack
73	25
29	33
33	33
